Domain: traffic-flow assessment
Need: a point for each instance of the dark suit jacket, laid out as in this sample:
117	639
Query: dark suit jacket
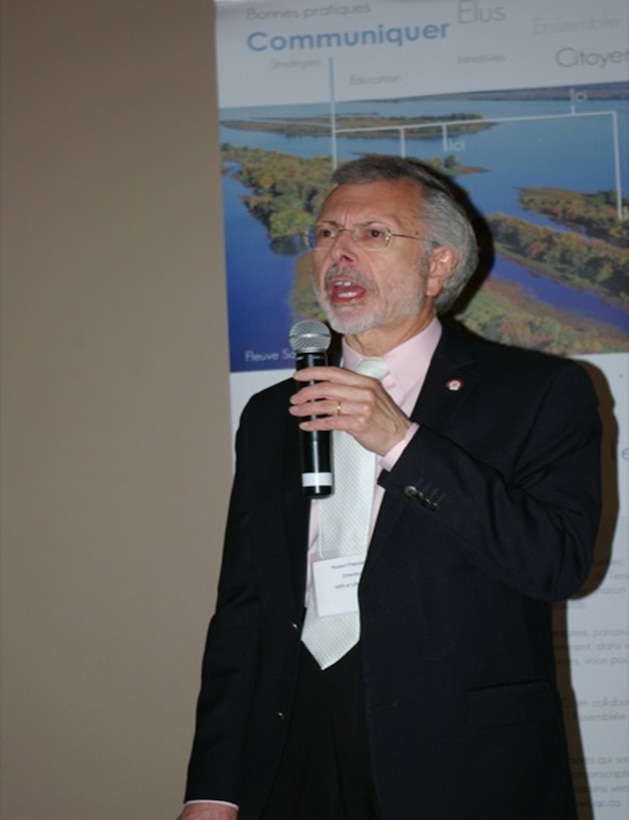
489	516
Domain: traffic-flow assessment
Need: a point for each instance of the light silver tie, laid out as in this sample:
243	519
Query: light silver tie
344	525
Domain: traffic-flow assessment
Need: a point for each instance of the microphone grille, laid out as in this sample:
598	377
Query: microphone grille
309	336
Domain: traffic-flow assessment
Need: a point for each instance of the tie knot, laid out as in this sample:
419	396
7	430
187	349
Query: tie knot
373	366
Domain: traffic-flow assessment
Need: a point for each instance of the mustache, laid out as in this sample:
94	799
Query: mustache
352	275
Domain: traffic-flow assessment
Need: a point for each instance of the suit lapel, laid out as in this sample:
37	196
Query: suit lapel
451	377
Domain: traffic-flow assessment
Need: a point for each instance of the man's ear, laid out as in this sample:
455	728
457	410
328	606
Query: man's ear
442	262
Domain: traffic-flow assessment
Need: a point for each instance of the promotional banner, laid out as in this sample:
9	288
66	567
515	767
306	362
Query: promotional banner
526	105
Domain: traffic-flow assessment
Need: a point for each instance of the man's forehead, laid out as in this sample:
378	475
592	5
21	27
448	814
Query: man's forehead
377	200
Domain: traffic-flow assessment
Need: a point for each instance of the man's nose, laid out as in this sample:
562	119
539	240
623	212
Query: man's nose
344	246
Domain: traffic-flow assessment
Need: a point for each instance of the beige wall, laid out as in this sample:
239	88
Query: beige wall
116	454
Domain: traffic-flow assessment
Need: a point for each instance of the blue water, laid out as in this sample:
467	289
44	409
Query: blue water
573	153
258	289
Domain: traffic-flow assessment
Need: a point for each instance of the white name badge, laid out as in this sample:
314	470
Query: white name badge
336	584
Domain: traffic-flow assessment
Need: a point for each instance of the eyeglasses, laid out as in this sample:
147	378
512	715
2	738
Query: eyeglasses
372	236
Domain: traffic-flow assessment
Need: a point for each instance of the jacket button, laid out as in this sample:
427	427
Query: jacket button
280	716
413	492
294	626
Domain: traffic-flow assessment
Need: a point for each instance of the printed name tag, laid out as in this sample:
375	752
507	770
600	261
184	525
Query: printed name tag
336	584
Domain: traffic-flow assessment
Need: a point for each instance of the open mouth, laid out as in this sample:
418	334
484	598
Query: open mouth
342	291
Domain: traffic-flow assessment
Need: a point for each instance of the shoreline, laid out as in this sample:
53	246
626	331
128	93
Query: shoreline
538	269
520	300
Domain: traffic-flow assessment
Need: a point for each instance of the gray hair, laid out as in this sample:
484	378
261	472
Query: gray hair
447	220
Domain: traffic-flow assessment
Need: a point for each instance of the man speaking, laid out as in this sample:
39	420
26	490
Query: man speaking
386	652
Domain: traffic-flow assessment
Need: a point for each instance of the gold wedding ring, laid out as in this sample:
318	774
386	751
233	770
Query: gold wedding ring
339	408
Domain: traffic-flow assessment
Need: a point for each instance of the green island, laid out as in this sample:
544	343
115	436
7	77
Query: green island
596	214
564	256
505	311
415	127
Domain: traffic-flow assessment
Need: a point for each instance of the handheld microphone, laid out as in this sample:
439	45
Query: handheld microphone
310	340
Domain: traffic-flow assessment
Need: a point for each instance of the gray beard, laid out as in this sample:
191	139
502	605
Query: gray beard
348	326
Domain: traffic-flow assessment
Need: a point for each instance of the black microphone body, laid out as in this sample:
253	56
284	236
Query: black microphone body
310	341
316	456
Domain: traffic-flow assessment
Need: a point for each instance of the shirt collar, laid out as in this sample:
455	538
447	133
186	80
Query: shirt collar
409	362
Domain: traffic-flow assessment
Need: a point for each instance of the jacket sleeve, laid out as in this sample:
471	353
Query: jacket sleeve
229	660
527	513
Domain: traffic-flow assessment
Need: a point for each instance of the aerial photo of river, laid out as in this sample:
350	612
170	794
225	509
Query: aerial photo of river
544	141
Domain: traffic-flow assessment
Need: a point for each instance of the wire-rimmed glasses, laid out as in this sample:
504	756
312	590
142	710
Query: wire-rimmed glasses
372	236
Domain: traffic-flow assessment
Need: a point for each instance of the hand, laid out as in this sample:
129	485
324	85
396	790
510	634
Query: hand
208	811
348	401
